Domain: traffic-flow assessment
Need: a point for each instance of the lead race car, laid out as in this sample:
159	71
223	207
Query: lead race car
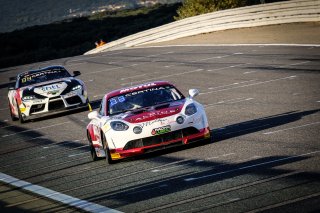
45	91
143	118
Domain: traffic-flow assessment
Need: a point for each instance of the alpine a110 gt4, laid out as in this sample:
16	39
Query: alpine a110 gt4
45	91
144	118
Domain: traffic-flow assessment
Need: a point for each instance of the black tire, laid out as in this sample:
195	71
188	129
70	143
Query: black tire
13	118
92	150
106	149
20	117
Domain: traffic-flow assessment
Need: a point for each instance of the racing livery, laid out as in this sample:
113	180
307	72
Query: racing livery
144	118
45	91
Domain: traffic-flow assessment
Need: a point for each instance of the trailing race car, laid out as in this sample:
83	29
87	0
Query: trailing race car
145	118
45	91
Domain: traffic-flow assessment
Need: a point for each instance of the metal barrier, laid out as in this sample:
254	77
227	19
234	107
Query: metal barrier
251	16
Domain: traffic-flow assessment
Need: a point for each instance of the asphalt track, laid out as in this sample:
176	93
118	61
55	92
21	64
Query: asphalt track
263	107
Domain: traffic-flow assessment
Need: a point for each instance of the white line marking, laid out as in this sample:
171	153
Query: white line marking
231	101
135	76
164	76
197	161
245	73
251	166
223	68
261	82
296	127
211	88
6	126
45	127
56	196
70	156
4	109
288	65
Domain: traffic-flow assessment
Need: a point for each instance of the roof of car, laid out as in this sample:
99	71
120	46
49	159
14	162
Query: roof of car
137	87
41	69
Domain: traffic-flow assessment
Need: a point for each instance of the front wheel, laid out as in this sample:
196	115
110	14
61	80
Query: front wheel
13	118
106	149
21	119
92	150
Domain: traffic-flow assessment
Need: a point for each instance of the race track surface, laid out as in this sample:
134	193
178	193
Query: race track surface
263	106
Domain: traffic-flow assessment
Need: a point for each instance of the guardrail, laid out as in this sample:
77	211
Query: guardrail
250	16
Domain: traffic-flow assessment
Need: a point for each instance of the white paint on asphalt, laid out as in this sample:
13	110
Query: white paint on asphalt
245	73
74	155
249	167
56	196
295	127
223	68
236	83
29	130
289	65
134	76
4	109
231	101
258	83
164	76
6	126
193	162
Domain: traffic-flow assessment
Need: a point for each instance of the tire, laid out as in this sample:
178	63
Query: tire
13	118
92	150
20	117
106	149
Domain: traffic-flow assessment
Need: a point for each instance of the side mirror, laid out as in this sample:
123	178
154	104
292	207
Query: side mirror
76	73
193	93
93	115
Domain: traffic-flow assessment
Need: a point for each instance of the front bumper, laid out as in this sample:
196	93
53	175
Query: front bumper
162	142
50	106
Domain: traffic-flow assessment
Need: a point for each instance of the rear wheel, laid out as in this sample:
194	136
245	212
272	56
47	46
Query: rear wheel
106	149
92	149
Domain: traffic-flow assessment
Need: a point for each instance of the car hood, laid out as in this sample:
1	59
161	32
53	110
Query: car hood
51	88
151	113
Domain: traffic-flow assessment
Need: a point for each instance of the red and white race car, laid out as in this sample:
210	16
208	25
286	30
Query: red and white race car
45	91
144	118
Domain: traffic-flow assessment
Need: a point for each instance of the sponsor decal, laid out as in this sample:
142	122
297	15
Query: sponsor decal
52	88
53	92
137	87
154	114
158	120
161	130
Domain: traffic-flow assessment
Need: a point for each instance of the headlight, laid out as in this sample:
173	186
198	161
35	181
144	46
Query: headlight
28	98
190	109
118	126
78	87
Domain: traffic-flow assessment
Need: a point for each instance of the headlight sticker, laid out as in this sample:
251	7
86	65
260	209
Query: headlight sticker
106	128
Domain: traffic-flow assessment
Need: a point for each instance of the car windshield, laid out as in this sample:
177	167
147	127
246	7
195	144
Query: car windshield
42	76
142	99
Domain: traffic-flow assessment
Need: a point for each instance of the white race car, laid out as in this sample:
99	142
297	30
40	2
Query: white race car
45	91
145	118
